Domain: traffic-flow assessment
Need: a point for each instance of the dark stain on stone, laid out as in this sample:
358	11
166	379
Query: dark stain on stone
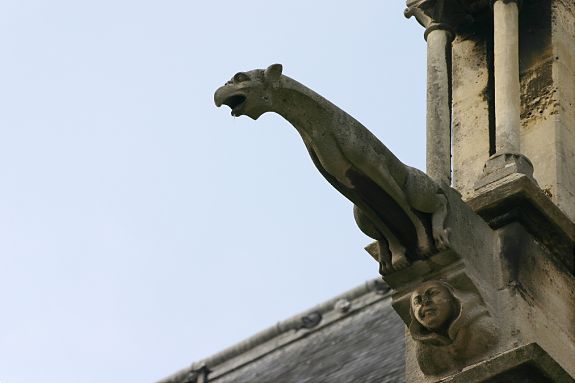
535	34
537	90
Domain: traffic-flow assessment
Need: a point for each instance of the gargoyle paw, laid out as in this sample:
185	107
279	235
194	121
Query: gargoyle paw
385	268
426	250
399	261
441	238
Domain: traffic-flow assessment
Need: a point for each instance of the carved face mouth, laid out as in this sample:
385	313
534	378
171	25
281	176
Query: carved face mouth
236	103
428	312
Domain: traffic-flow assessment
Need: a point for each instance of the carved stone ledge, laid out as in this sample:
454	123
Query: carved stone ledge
528	364
518	199
423	269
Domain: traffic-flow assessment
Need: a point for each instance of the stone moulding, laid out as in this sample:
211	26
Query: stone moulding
518	199
529	363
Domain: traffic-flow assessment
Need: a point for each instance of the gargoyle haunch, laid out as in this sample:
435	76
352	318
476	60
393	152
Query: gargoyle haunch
399	206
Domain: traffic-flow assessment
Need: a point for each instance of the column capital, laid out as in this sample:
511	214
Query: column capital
518	2
437	14
507	1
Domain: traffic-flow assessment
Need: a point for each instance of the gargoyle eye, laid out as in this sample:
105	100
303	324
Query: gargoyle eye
240	77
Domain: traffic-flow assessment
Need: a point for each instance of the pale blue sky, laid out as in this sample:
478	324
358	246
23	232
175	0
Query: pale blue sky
142	228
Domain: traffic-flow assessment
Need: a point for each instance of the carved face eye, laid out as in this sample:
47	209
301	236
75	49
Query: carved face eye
417	300
240	77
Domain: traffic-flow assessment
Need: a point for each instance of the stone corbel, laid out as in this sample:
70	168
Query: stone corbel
449	324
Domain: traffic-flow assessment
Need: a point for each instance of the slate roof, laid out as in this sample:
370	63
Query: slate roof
355	337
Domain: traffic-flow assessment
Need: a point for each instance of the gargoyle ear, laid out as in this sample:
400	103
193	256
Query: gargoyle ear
273	72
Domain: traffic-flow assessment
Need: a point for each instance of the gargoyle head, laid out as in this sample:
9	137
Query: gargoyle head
249	93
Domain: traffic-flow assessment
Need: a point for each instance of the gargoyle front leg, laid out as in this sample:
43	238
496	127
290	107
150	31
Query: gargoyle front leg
379	172
401	197
439	231
398	258
426	196
379	250
388	250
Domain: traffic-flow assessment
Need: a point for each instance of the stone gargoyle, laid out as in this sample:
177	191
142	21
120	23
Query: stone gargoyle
399	206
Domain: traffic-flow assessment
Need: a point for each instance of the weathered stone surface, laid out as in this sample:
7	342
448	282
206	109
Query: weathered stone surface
502	165
440	19
547	70
535	296
506	72
473	103
438	121
519	199
533	284
525	364
548	97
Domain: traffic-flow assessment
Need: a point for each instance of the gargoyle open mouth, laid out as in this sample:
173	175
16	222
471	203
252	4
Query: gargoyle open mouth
235	102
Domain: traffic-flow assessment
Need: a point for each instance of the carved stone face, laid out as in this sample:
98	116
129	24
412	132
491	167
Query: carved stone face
433	305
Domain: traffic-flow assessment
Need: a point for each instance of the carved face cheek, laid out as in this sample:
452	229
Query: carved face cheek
416	306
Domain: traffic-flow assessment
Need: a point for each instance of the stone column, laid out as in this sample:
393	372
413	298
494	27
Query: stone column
437	18
507	159
439	39
506	58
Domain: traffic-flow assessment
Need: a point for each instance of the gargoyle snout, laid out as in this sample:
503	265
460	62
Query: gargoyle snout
219	96
236	100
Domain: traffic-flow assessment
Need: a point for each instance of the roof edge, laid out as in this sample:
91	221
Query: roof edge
304	320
